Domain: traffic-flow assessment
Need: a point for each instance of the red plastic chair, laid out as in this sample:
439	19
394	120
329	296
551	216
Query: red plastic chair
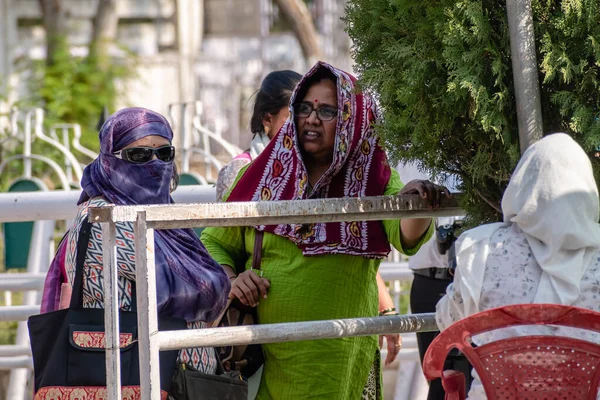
526	367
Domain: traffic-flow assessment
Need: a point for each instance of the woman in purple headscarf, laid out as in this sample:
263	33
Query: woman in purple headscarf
135	166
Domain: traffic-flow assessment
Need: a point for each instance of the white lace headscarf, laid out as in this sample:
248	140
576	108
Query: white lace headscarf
553	197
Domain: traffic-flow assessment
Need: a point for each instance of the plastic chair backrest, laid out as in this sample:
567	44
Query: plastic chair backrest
17	235
191	178
527	367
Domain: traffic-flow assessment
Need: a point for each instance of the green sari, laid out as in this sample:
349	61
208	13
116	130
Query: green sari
311	288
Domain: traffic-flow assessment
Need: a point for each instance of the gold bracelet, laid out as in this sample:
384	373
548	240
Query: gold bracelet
387	310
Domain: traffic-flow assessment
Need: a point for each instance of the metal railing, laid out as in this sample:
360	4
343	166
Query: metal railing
59	205
148	218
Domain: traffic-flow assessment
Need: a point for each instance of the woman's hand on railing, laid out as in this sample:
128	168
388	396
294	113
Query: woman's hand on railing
249	288
427	190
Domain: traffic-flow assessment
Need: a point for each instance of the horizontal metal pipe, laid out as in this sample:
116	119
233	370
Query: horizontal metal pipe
18	313
8	363
297	219
276	212
13	350
59	205
294	331
21	275
18	283
391	271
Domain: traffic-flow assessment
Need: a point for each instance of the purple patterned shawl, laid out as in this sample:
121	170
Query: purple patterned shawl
190	284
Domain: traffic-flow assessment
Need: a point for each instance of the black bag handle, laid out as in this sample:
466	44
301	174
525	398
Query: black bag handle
82	246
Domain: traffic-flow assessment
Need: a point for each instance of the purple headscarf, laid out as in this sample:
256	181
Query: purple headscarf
119	181
189	283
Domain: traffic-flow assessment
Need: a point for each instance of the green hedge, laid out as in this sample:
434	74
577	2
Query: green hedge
442	71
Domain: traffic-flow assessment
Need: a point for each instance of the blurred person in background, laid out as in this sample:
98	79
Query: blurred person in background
433	269
271	110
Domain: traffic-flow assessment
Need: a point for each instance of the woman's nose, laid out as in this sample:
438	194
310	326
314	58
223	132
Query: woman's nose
312	118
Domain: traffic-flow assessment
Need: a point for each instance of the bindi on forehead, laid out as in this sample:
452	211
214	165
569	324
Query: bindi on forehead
316	100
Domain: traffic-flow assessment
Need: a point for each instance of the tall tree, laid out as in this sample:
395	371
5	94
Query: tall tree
442	71
303	27
104	31
54	18
77	89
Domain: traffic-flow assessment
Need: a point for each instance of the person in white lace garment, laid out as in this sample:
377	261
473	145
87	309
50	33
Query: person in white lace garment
546	251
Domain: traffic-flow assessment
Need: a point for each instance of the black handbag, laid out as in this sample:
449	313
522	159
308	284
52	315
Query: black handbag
190	384
243	358
68	345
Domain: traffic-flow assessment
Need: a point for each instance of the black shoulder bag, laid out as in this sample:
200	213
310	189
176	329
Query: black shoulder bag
68	345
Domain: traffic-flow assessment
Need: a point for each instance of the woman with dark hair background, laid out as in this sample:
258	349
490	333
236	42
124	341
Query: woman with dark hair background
271	110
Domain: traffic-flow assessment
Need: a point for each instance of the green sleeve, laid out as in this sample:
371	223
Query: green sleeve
226	246
392	227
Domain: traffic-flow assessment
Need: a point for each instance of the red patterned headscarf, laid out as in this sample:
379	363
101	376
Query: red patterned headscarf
359	168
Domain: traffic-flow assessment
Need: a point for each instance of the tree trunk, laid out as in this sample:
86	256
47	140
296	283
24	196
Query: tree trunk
304	28
104	31
54	17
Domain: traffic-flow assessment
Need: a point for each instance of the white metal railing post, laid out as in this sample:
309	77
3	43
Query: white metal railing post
111	311
146	309
27	146
184	139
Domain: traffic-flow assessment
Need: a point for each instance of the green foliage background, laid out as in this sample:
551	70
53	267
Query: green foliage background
70	89
443	74
76	89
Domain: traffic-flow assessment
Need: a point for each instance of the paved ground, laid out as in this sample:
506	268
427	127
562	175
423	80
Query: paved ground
412	380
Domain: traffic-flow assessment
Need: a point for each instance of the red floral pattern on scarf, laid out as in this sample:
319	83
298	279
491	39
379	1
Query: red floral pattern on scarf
359	168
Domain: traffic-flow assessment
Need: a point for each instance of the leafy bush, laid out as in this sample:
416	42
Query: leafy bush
442	72
76	89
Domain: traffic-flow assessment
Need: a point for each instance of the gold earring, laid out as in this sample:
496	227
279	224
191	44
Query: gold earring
267	129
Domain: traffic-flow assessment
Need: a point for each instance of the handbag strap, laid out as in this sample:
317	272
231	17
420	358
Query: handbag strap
82	246
257	254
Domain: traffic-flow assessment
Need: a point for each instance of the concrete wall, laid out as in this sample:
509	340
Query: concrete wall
221	70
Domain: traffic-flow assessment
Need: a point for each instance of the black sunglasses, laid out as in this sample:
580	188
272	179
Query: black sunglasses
141	155
324	113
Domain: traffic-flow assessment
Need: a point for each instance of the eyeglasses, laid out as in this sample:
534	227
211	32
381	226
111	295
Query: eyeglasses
324	113
141	155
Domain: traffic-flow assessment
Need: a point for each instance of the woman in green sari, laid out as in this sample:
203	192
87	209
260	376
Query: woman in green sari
326	149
